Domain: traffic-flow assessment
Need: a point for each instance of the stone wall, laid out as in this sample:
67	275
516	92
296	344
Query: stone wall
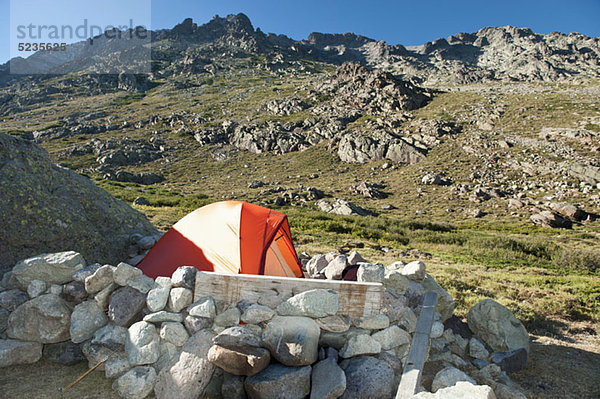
156	338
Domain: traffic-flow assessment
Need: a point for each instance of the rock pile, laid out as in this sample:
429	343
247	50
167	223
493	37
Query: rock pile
156	337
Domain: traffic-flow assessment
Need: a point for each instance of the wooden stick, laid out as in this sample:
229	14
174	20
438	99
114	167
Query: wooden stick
81	377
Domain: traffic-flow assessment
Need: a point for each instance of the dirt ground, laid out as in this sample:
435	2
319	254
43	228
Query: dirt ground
559	367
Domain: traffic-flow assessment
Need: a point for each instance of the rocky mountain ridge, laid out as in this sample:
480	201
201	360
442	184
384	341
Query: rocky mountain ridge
493	53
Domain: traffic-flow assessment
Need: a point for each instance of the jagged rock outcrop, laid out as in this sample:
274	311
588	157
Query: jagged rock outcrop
47	208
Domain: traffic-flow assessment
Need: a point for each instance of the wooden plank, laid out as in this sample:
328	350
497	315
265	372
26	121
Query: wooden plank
356	299
413	368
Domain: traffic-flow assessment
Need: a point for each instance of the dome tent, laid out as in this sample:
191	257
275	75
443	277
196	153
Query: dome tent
227	237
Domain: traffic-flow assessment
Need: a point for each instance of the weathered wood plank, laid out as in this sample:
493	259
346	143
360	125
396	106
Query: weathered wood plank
356	299
413	368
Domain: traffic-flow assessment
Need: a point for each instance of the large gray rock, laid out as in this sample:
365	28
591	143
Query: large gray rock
87	317
313	303
229	318
279	382
246	361
125	306
137	383
142	344
414	270
57	268
36	288
396	282
445	305
186	375
328	380
179	298
292	340
461	390
203	307
316	264
141	283
13	352
368	377
46	207
44	319
448	377
497	326
335	324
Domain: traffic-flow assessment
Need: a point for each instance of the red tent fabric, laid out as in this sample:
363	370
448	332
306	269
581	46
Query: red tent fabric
227	237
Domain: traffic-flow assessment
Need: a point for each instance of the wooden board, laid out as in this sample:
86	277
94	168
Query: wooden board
356	299
411	376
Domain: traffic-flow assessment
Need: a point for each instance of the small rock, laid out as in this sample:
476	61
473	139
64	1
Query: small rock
335	324
179	298
316	265
328	380
162	316
12	299
174	333
477	349
14	352
246	361
81	274
141	201
373	322
74	292
36	288
137	383
511	361
449	377
101	279
124	272
111	336
4	314
256	314
370	273
142	344
279	382
184	276
158	296
361	344
195	324
125	306
55	289
141	283
229	318
313	303
334	268
414	271
292	340
87	317
204	307
396	282
146	242
116	365
103	297
392	337
235	337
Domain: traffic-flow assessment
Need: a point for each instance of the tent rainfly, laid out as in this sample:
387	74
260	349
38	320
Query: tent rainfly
227	237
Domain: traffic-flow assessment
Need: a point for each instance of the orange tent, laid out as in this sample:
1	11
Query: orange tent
227	237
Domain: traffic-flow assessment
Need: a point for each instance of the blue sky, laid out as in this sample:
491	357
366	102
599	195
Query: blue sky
404	22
